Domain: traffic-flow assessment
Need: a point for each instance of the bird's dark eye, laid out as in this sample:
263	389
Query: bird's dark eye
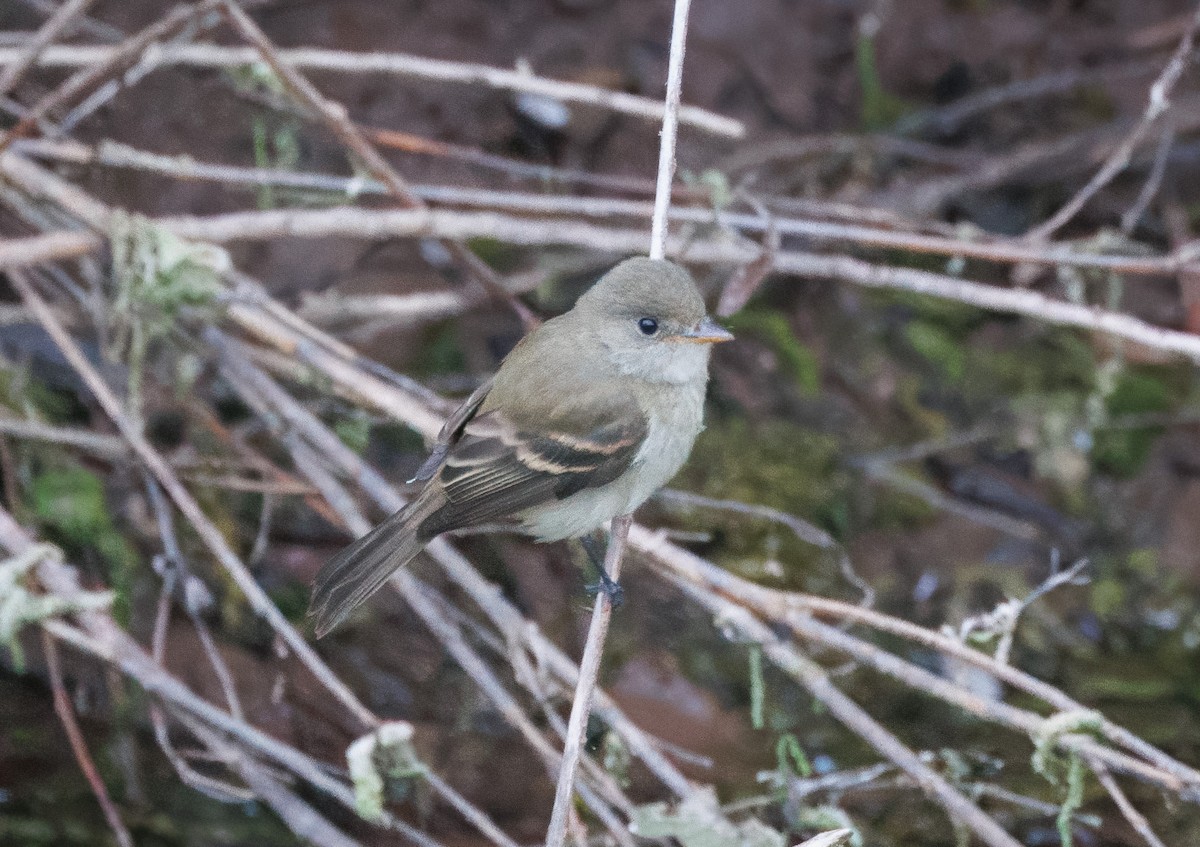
648	326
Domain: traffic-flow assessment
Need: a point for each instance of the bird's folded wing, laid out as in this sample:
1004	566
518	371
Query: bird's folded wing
497	469
451	431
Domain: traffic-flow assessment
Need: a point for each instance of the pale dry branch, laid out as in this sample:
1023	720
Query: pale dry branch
1135	818
666	147
814	678
101	638
336	119
395	64
589	671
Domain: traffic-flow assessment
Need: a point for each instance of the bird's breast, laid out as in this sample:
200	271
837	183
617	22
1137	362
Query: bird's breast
671	433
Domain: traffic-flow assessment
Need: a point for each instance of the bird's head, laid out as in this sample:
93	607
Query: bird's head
649	316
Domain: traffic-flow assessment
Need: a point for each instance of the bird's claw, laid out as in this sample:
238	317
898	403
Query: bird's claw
609	587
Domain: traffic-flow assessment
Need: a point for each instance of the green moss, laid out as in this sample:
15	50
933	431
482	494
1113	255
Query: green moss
71	503
441	353
354	430
1122	452
292	600
771	327
939	347
501	257
957	318
774	464
879	108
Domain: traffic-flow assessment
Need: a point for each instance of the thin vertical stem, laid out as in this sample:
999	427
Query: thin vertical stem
589	670
666	150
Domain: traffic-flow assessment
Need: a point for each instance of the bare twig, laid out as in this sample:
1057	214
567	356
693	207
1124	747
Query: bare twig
809	674
107	446
666	149
948	118
1132	215
112	63
208	532
51	247
312	59
301	818
589	669
66	715
1157	105
1135	818
377	224
335	118
362	224
886	236
795	611
104	640
802	529
54	26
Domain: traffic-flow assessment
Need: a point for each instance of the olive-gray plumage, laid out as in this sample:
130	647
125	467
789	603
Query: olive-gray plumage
588	416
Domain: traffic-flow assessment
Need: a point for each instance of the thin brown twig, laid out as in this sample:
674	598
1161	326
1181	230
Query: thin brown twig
417	144
114	154
54	26
66	715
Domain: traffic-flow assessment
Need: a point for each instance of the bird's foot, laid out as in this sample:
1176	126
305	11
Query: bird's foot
609	587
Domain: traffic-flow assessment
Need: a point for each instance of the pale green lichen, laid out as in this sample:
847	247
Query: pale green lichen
1051	732
385	755
698	822
20	607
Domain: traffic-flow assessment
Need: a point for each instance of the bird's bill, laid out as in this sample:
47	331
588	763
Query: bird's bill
707	331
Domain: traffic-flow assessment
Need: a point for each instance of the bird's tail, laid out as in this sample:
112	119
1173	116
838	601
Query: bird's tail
357	572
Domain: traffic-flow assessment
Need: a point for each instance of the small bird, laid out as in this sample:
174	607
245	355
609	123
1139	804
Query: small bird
588	416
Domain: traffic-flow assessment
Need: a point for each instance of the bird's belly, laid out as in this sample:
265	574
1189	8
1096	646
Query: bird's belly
663	453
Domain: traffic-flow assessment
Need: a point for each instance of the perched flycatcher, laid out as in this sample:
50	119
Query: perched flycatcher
588	416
